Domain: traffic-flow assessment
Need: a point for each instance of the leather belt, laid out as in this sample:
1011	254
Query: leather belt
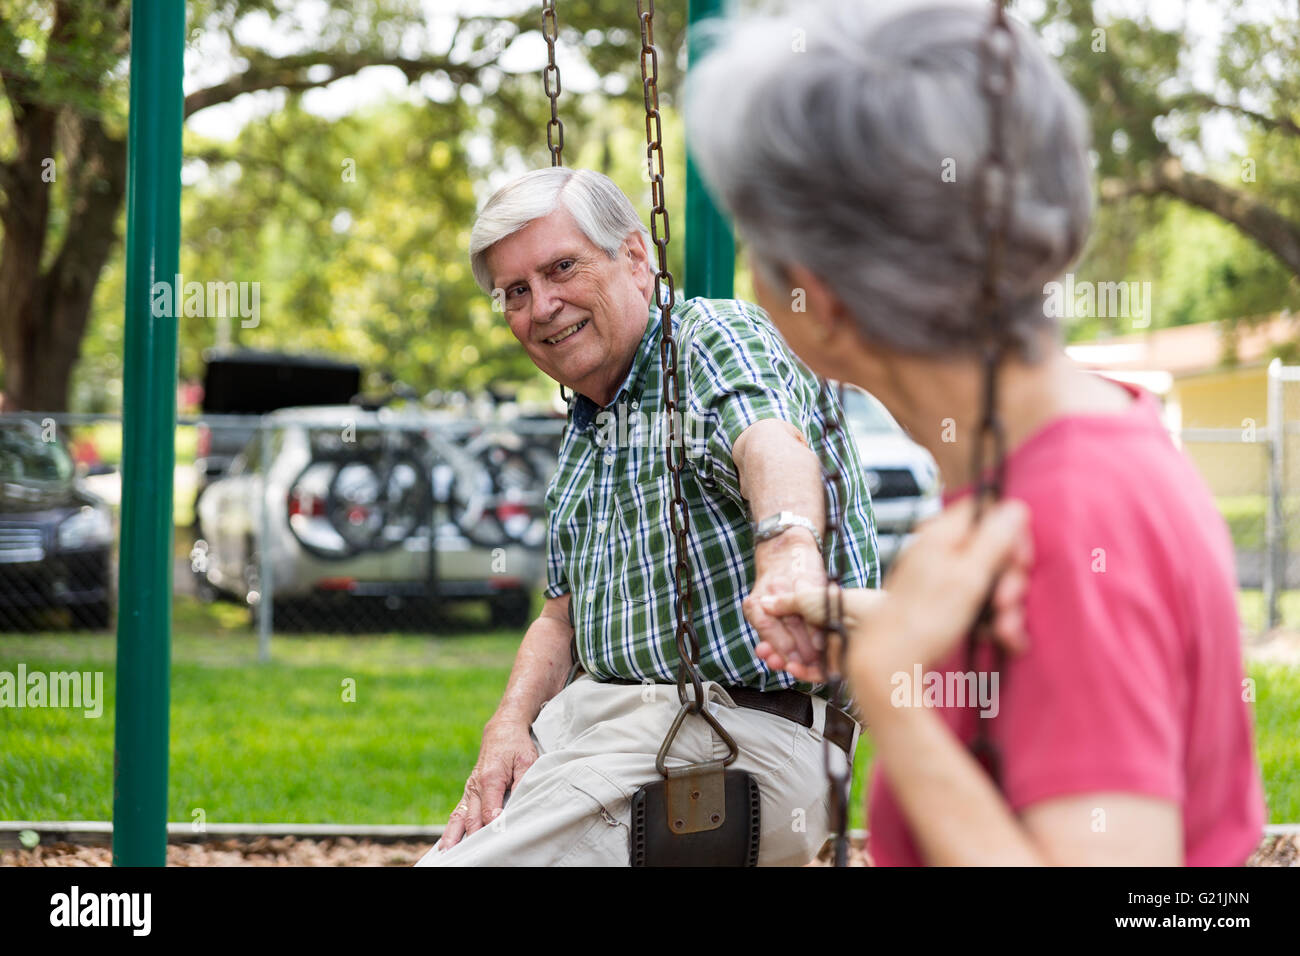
788	703
797	706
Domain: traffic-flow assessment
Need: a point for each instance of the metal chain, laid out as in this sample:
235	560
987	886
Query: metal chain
993	208
993	200
555	128
831	401
688	643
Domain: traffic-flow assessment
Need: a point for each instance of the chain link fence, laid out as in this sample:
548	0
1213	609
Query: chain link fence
1253	471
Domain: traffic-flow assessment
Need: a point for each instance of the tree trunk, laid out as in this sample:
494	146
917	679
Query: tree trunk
44	314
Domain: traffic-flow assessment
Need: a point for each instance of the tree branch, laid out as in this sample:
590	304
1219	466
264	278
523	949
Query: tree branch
1255	219
290	73
1205	103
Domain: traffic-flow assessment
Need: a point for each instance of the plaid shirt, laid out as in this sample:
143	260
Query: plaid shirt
610	542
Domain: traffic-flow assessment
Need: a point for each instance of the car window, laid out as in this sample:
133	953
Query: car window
249	459
865	414
24	456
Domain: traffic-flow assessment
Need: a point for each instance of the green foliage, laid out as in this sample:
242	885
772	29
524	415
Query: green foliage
357	228
376	269
1149	100
1201	269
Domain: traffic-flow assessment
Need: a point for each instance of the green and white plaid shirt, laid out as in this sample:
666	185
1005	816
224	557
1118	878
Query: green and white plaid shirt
610	542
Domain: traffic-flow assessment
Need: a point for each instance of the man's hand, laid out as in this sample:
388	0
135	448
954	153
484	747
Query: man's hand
778	472
507	749
506	753
934	591
782	565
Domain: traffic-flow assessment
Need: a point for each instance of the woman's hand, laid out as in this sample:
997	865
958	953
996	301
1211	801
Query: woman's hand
935	590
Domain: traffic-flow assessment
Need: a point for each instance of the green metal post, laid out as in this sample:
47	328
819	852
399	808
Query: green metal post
148	435
710	246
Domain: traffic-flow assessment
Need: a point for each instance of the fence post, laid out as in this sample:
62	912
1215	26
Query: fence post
148	436
265	606
1273	515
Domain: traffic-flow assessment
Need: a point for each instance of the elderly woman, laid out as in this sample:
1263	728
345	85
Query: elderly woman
846	141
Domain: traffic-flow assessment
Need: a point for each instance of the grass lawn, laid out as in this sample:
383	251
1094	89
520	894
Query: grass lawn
1254	612
270	743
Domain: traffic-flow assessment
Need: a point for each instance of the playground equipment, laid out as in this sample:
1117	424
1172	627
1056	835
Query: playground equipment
153	235
148	434
149	408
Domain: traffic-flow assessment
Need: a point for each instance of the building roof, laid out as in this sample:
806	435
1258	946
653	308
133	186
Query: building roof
1183	350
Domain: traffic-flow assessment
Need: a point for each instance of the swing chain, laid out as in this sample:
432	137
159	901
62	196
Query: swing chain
555	128
993	197
831	400
993	203
688	644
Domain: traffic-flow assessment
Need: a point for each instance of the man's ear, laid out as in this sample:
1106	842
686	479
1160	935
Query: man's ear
638	260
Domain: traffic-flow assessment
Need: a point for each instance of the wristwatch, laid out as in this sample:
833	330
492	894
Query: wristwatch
781	522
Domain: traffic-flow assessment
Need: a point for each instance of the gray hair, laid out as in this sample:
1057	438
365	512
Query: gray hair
832	158
602	211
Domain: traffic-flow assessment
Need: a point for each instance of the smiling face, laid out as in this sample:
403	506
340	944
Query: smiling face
578	313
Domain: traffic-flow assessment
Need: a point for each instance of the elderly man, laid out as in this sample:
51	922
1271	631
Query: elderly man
567	258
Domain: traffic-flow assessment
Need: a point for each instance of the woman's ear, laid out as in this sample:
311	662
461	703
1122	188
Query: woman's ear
826	313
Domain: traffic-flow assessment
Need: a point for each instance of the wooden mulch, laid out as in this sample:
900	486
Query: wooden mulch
1278	850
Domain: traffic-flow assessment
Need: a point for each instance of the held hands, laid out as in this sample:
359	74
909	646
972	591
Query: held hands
932	595
507	751
783	566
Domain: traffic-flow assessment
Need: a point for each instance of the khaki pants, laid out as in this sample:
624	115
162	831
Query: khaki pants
596	745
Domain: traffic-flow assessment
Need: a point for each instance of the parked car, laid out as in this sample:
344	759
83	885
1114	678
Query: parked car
55	536
349	506
901	475
253	382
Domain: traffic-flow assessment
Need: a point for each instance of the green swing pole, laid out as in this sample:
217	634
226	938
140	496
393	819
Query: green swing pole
710	246
148	436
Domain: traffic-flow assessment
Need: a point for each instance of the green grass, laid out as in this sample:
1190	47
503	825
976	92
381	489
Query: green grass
274	742
1245	517
1247	520
269	743
1277	716
1254	613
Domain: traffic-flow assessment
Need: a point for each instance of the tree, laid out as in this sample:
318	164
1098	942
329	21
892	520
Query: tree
63	141
1152	114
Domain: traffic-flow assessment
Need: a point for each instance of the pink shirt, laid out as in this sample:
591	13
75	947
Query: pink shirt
1133	679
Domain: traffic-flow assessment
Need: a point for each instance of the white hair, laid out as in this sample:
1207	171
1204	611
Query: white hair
847	137
602	211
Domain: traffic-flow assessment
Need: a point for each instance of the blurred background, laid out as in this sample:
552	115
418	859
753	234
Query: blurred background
363	448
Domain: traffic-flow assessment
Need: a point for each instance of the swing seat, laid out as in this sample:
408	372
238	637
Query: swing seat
702	815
